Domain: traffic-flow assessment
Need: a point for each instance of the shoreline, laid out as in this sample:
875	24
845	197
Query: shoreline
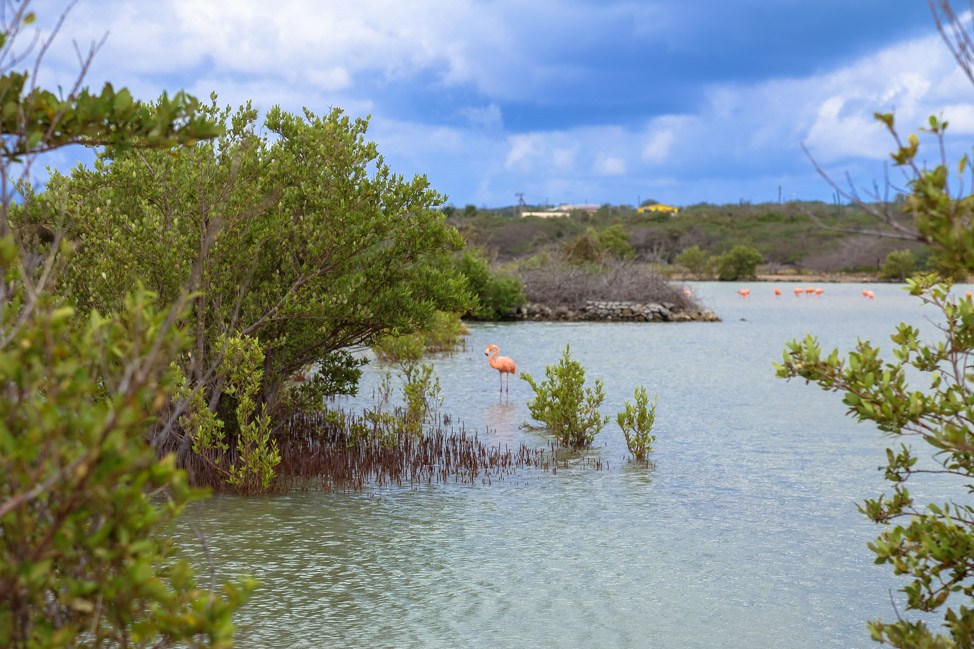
611	311
621	311
798	278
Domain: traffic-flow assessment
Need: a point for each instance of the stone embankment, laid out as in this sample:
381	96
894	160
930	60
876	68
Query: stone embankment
614	312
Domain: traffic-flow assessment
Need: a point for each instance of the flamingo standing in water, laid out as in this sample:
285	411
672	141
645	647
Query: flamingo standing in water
503	365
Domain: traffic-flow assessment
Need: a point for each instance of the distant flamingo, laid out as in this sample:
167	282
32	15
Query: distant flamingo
503	365
809	291
869	294
744	292
819	291
799	291
777	292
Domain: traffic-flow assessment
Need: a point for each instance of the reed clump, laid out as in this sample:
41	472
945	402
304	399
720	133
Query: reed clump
336	450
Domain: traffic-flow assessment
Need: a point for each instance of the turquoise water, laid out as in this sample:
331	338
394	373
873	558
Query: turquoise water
742	533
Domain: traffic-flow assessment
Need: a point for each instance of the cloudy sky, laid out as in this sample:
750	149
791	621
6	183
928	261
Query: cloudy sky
598	101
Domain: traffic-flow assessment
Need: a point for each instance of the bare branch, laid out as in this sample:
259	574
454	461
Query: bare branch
879	209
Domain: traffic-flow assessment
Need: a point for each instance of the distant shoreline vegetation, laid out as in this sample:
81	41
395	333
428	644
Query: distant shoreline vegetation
591	262
792	240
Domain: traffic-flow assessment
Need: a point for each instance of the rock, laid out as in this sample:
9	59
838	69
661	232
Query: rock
604	311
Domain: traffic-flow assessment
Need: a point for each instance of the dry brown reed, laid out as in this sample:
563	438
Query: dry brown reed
328	451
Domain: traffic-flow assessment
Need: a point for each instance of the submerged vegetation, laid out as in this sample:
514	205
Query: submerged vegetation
337	450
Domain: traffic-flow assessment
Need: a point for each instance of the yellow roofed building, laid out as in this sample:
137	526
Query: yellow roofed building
658	208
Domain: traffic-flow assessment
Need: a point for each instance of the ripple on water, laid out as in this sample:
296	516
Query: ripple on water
743	532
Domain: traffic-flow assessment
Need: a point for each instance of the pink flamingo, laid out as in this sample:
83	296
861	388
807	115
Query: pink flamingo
503	365
799	291
744	292
819	291
777	292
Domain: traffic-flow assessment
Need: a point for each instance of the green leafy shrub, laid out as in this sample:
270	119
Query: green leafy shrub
614	242
696	262
598	246
423	397
84	501
583	249
445	334
741	263
251	468
295	232
566	408
636	422
497	295
898	265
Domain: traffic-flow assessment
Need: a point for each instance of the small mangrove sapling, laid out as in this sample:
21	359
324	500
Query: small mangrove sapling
636	422
567	409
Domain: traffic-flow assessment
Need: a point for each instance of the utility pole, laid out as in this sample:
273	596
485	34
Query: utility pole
520	204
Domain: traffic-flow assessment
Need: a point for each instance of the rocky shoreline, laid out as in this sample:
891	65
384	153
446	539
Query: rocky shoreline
604	311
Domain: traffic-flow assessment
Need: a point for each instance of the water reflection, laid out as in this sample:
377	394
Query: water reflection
502	422
638	472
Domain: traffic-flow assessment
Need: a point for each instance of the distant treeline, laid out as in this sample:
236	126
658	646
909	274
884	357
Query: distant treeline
799	236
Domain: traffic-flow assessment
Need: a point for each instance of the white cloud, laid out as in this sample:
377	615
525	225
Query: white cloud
486	117
609	166
563	157
914	79
320	54
522	149
658	145
461	41
558	151
960	118
837	135
330	79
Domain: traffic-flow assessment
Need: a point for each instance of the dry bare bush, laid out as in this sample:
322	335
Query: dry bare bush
857	252
573	286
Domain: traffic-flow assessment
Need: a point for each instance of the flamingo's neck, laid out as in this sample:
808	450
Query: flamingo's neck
492	359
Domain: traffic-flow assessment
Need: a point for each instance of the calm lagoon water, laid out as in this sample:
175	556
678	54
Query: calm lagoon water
743	532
